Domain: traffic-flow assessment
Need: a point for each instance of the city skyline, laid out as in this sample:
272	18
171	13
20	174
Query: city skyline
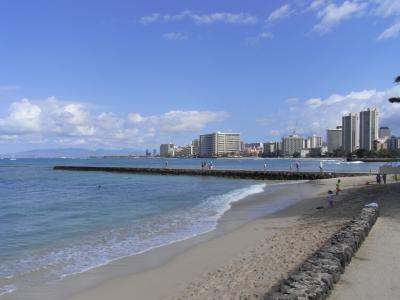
126	74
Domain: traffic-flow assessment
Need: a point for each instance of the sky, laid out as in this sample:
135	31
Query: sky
134	74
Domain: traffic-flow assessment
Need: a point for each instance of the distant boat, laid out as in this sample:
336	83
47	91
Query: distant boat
13	158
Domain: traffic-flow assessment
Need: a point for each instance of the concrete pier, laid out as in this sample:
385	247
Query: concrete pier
243	174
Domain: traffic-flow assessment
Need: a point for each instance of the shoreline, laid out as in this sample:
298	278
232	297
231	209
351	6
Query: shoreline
239	213
131	274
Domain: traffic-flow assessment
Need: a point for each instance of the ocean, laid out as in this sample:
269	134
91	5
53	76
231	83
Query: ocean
57	223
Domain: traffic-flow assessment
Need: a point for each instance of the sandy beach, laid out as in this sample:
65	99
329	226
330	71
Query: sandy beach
242	259
247	262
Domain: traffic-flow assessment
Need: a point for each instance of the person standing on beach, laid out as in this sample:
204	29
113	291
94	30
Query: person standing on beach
297	166
321	166
384	178
330	198
166	164
378	178
338	187
265	166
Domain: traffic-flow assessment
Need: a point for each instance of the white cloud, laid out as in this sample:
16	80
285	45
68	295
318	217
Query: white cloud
136	118
145	20
218	17
259	37
174	36
282	12
314	102
63	123
181	121
229	18
331	15
315	115
391	32
317	4
386	8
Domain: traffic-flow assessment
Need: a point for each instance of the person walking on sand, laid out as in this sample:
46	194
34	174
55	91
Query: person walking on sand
330	198
384	178
338	187
378	178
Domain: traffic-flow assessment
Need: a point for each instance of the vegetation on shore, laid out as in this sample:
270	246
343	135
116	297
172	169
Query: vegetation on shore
395	99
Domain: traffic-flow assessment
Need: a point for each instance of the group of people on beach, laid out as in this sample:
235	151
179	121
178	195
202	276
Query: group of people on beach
207	165
380	177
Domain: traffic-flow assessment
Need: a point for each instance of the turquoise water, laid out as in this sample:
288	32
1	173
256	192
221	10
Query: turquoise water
57	223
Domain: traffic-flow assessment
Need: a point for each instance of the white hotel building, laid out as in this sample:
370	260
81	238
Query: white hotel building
219	144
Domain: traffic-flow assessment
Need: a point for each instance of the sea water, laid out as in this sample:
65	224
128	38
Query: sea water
58	223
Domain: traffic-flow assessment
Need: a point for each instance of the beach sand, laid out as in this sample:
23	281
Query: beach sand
246	262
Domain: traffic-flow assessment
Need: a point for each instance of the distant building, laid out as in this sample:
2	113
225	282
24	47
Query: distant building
318	151
167	150
393	143
272	149
350	133
305	153
195	145
184	151
253	149
369	128
292	144
380	144
219	144
316	141
334	139
384	133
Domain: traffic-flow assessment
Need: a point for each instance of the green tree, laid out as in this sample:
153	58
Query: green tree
395	99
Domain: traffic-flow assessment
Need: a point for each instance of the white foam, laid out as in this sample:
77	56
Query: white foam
7	289
134	239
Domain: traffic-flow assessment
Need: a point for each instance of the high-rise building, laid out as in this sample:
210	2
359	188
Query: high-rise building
195	145
384	133
393	143
219	144
350	133
167	150
334	139
272	149
292	144
315	141
369	128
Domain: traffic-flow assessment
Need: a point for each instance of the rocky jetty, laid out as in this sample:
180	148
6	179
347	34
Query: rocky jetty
315	277
243	174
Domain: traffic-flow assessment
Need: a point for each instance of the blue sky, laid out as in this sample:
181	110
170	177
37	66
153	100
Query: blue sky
133	74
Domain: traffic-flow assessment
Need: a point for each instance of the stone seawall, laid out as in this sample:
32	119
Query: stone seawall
315	277
243	174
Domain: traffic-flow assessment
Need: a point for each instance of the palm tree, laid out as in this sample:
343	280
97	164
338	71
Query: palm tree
395	99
